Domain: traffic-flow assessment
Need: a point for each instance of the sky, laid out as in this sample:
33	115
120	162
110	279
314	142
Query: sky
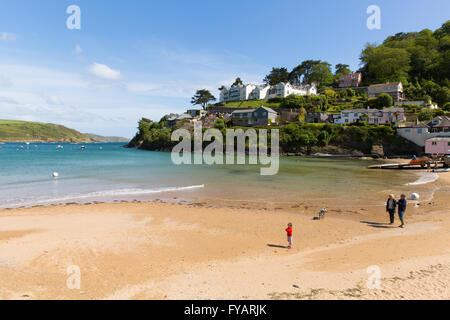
134	59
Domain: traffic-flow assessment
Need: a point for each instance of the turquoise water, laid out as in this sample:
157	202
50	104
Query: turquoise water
107	172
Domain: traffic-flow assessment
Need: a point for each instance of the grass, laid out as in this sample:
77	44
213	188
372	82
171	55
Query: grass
15	130
252	104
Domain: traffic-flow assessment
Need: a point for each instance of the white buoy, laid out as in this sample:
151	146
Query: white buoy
55	174
415	196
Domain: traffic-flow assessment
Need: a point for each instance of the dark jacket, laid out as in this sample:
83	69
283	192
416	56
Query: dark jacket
402	205
387	205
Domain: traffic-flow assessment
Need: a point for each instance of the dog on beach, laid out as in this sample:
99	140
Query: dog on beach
322	213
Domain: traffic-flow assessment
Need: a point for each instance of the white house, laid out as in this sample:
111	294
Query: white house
286	89
349	116
260	92
264	92
373	116
421	132
236	93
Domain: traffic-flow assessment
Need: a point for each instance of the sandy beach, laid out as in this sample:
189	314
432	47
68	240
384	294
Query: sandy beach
210	250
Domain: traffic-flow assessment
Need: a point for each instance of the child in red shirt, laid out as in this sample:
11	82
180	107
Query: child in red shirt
289	235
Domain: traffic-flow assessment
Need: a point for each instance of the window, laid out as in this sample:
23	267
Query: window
419	131
434	143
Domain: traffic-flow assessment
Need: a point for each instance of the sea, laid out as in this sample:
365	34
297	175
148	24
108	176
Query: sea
108	172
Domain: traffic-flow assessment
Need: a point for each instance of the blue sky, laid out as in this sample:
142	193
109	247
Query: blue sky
146	58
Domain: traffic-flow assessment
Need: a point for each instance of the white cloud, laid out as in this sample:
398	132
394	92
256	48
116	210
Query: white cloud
5	82
104	72
166	88
39	78
6	36
54	100
7	100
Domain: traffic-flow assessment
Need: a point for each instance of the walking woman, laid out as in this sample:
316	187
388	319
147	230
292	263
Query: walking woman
390	207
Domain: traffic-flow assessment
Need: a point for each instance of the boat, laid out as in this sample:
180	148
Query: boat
59	147
442	170
419	161
82	147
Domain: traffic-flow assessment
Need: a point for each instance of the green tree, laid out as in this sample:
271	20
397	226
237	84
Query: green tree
276	76
310	71
220	124
414	57
202	97
293	102
385	101
342	69
298	73
385	64
426	115
321	75
238	82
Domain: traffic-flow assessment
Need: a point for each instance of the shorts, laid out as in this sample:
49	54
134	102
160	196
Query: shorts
289	239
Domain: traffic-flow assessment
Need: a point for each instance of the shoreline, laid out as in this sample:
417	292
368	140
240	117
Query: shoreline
172	195
204	251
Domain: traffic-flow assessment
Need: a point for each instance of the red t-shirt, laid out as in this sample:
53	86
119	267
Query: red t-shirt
289	232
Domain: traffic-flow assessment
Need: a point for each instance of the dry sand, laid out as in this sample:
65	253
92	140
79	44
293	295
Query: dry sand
209	251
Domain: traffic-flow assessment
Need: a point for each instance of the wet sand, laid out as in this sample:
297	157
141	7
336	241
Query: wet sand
211	250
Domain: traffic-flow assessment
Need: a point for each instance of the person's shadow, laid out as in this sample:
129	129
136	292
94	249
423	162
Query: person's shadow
378	225
277	246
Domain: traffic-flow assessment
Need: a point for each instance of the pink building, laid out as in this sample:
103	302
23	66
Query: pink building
437	145
350	80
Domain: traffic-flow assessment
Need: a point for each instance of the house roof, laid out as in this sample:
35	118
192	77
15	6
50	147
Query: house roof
184	116
419	125
444	121
439	139
393	109
243	111
354	110
267	109
172	117
384	84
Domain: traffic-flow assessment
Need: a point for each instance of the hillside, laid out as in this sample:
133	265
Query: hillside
99	138
23	131
251	104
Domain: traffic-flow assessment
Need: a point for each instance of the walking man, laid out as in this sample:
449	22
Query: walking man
401	209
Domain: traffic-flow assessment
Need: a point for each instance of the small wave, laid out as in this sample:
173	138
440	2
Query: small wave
425	177
111	194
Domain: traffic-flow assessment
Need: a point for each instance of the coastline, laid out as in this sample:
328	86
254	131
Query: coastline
178	195
210	250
